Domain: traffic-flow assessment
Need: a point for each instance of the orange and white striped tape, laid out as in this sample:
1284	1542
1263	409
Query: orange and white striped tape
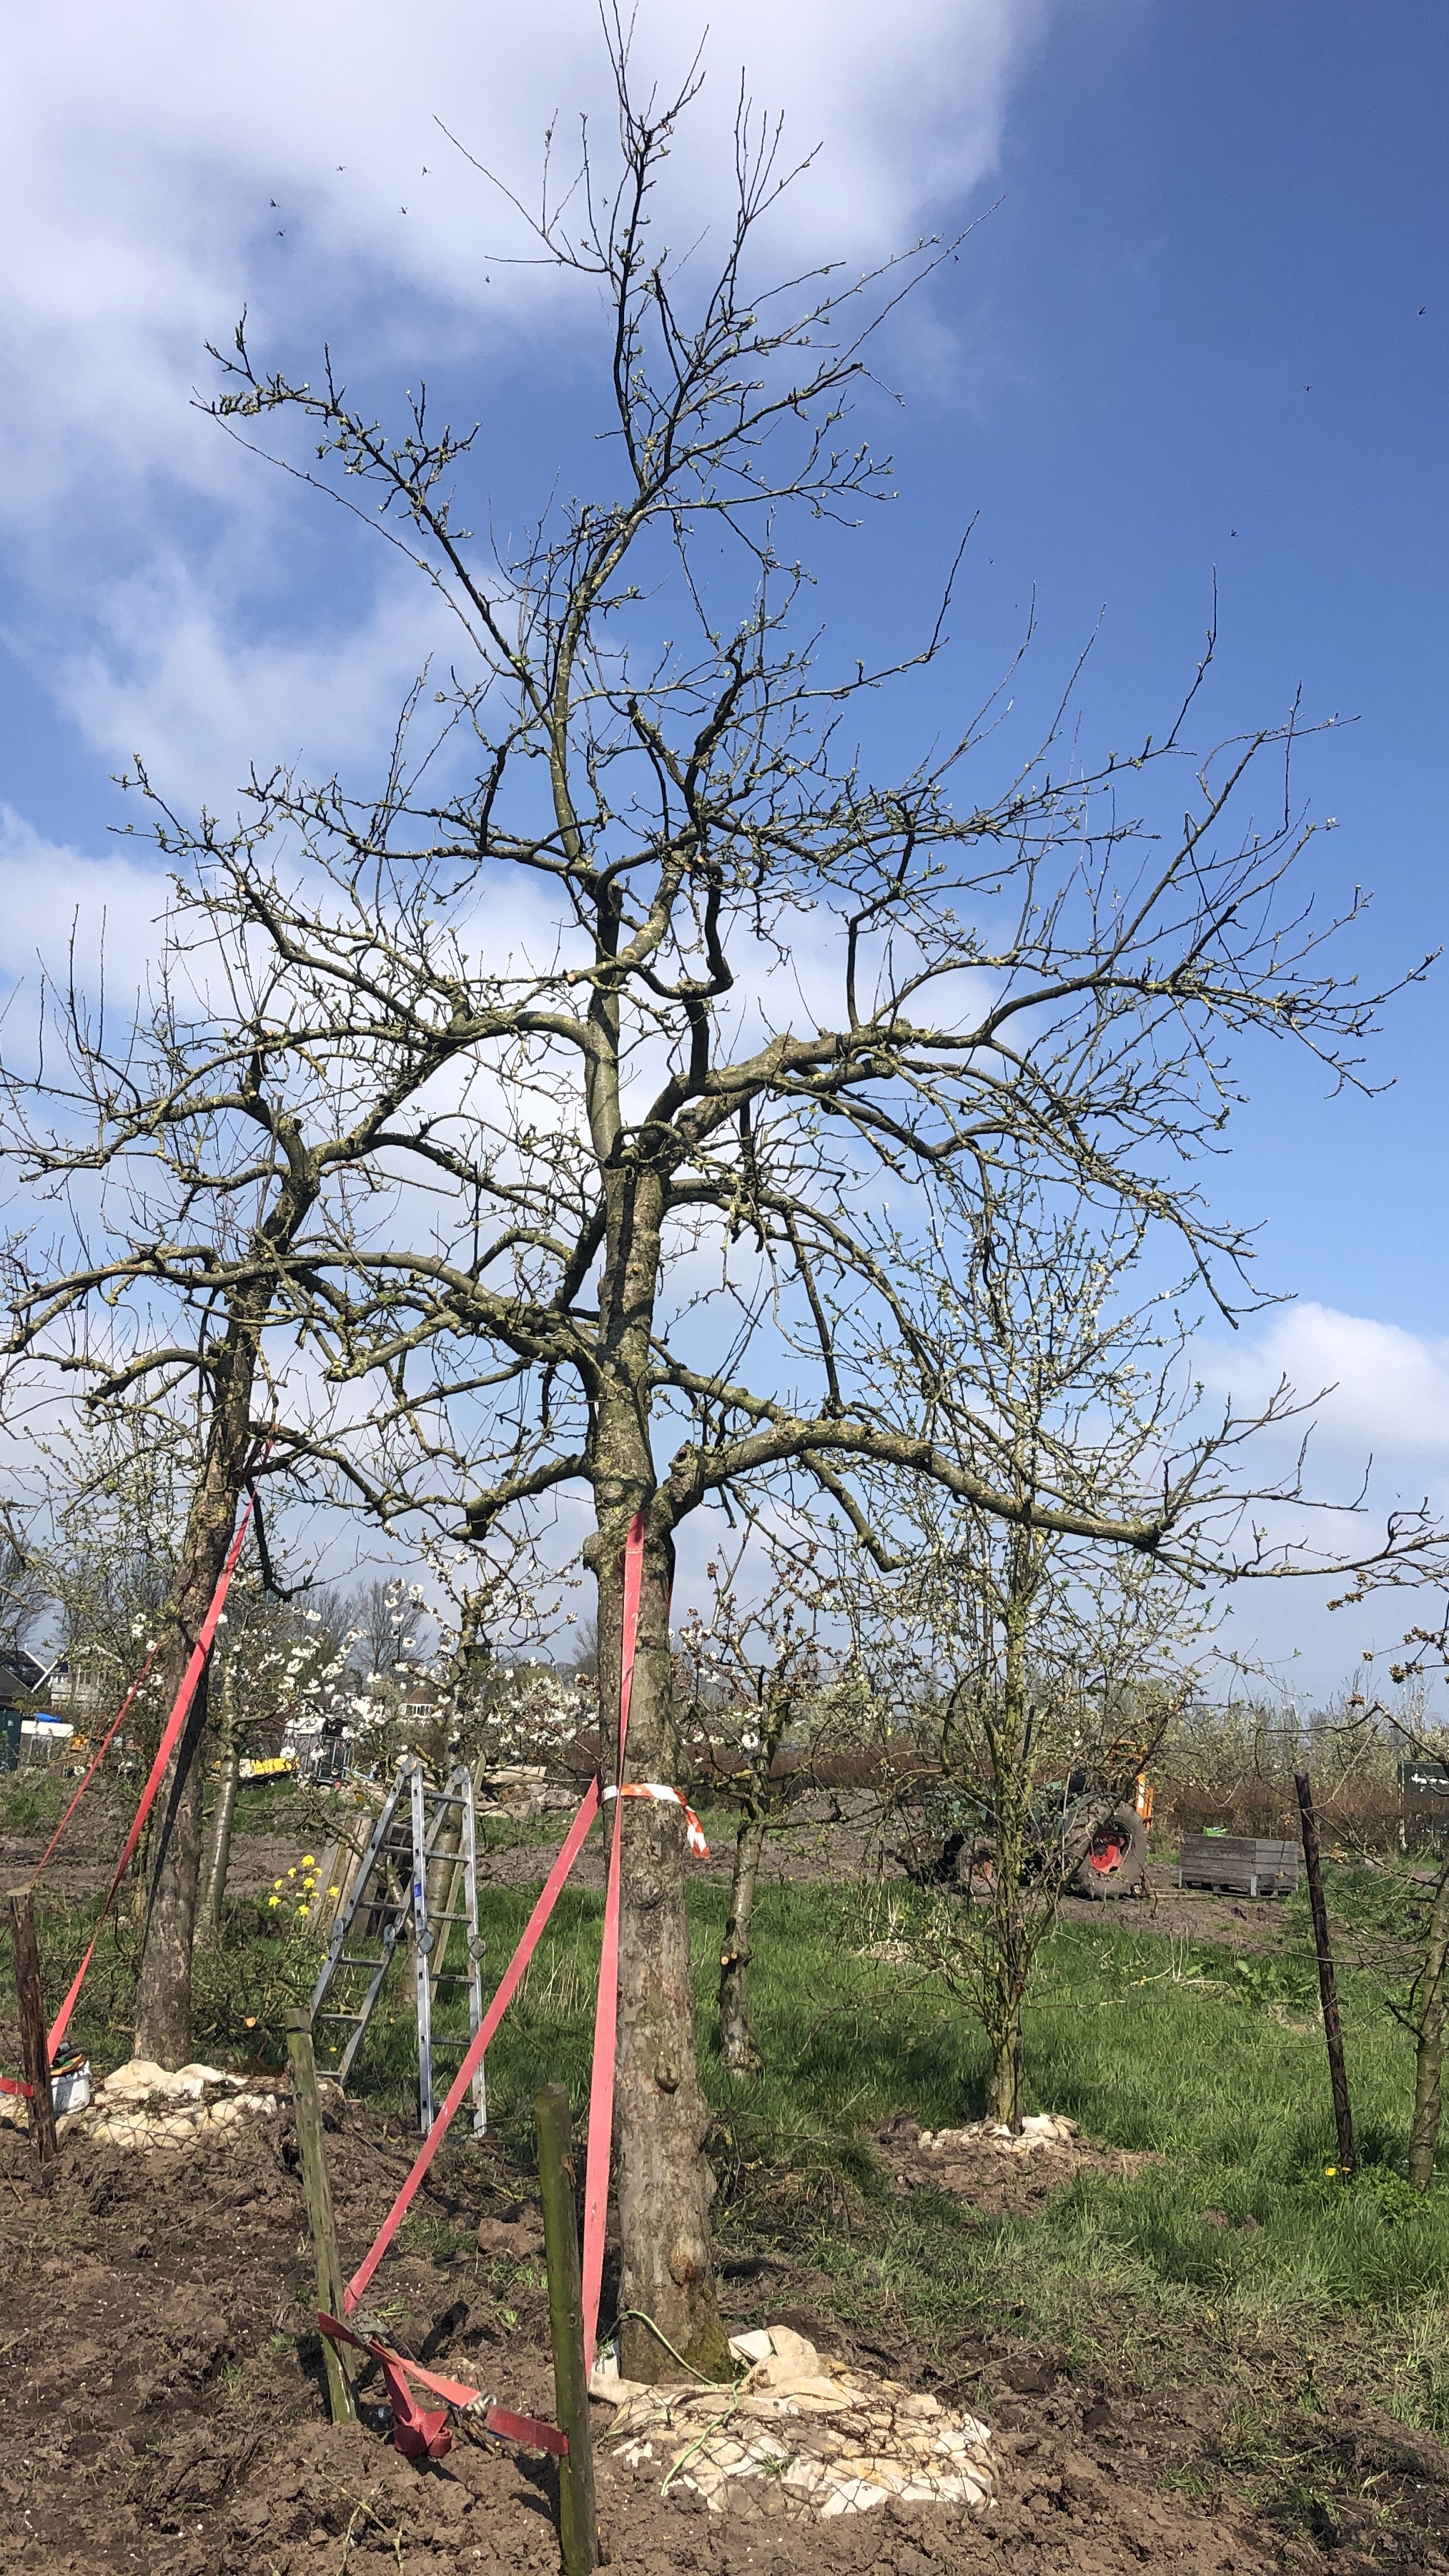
666	1797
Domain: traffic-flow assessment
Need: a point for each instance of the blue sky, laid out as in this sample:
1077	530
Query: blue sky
1204	330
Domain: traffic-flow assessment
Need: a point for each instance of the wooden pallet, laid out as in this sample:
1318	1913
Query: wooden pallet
1240	1864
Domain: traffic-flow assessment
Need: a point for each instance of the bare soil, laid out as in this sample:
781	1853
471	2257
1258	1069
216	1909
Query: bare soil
164	2409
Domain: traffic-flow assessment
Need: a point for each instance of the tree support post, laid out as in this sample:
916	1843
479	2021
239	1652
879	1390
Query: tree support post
317	2193
34	2046
1429	2054
1327	1988
578	2525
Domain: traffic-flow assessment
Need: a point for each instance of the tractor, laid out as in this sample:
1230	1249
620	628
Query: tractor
1102	1844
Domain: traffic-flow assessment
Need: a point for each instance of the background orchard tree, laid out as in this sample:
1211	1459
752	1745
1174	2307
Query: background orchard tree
1037	1669
1423	1903
672	1202
763	1710
192	1176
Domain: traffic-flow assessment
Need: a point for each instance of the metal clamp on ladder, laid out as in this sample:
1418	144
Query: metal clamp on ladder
421	1857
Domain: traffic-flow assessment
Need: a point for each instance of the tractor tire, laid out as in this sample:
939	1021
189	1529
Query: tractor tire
1115	1859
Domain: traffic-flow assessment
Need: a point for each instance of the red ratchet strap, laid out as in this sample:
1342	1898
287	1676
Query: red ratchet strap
666	1798
466	2072
420	2432
96	1760
180	1711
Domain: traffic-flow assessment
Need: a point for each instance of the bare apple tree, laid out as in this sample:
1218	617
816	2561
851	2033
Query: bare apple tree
741	1028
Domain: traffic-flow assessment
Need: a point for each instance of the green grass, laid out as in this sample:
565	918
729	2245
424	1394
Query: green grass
32	1797
1212	2069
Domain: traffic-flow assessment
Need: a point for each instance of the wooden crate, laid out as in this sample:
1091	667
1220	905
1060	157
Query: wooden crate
1242	1864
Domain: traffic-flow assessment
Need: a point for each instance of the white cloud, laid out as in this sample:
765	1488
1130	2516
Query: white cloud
56	901
164	674
1389	1387
142	150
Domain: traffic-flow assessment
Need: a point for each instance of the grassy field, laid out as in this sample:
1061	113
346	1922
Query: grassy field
1209	2067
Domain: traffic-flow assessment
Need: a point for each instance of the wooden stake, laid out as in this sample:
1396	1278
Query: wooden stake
307	2104
34	2045
1328	1991
578	2525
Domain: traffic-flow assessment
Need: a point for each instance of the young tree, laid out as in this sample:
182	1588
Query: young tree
760	1709
386	1614
1035	1668
1426	1909
280	1669
681	1190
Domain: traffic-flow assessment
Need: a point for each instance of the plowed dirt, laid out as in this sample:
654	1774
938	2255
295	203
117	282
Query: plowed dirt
163	2405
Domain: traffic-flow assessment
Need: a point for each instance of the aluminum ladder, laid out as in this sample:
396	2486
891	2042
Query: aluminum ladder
388	1898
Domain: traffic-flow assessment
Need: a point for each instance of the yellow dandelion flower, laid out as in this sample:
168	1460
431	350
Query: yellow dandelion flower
309	1860
291	1874
274	1900
278	1882
334	1891
302	1912
1330	2169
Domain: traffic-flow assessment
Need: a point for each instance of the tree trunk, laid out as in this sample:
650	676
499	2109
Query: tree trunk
1009	1942
218	1857
1429	2057
163	1986
667	2294
738	2045
1003	2092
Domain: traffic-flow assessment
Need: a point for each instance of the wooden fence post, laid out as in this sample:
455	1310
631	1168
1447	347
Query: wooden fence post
578	2525
307	2104
34	2045
1328	1990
